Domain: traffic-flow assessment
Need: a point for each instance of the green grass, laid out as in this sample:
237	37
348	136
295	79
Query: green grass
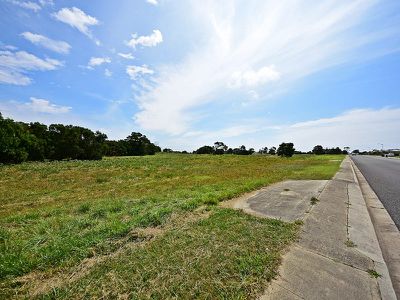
373	273
55	215
225	256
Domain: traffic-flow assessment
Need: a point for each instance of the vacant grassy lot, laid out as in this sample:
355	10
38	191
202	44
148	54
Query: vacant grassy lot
143	227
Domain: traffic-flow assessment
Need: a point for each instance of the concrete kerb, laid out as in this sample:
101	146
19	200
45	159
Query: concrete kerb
387	234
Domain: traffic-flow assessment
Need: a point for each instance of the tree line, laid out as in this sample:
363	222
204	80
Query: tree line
34	141
319	150
284	149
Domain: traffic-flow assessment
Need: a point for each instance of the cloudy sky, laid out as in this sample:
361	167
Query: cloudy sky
189	73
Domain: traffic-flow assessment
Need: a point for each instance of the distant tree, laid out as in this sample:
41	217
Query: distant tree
229	151
167	150
242	151
35	141
318	150
220	148
263	150
336	150
205	150
138	144
272	150
13	142
40	148
356	151
116	148
286	149
151	149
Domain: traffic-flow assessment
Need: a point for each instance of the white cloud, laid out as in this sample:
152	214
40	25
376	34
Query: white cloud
254	95
44	106
107	73
97	61
26	61
78	19
259	42
358	128
43	112
46	2
13	77
126	55
153	2
37	39
8	47
362	129
135	71
14	66
146	40
36	105
27	5
252	78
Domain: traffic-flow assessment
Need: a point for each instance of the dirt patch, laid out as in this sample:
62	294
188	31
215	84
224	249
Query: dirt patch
238	202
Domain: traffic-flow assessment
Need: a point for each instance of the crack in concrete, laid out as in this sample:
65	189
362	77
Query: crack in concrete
348	212
328	257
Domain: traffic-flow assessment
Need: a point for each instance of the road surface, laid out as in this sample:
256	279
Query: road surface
383	175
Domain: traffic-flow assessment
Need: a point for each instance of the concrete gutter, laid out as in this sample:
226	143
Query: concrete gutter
386	231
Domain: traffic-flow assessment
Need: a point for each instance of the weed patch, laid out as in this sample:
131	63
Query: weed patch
350	243
373	273
314	200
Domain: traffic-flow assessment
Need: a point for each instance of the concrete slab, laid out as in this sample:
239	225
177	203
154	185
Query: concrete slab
325	230
308	275
276	292
360	232
287	200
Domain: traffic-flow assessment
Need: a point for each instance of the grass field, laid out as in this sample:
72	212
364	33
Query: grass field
143	227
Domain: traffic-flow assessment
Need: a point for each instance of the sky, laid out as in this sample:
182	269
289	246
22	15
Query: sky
189	73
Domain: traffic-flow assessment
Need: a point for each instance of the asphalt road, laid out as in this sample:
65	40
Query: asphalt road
383	175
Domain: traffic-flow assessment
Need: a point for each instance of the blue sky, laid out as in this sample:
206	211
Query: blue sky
189	73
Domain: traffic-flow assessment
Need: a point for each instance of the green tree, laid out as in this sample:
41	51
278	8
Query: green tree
205	150
138	144
318	150
286	149
272	151
13	141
